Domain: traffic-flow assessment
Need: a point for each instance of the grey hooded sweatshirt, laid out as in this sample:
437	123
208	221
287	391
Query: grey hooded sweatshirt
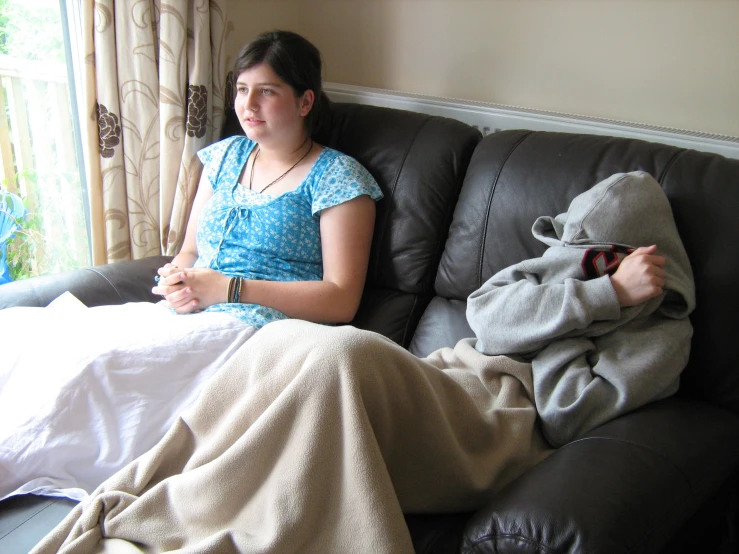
591	359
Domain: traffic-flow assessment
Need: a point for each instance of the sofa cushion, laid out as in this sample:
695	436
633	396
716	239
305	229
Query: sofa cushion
419	161
704	193
444	323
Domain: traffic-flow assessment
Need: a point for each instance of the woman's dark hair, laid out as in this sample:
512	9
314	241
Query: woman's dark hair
294	59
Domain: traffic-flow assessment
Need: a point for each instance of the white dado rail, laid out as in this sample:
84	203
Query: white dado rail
490	118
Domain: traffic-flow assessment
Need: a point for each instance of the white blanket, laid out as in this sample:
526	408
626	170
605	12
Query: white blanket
315	439
83	391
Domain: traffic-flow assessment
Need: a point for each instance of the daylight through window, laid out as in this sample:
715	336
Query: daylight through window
48	232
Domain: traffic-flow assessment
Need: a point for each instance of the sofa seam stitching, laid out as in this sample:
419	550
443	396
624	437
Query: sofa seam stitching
108	280
449	217
441	246
408	321
508	154
669	165
395	185
474	543
641	447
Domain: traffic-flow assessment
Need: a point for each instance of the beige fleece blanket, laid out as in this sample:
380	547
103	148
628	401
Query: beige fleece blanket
317	439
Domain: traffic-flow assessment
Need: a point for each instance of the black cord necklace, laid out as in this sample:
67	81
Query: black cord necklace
254	163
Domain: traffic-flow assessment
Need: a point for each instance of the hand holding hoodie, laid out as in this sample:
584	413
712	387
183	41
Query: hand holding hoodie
591	359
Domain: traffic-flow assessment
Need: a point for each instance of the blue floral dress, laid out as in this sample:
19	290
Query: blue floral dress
242	233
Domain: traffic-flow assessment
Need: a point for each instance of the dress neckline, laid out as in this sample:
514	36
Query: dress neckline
269	198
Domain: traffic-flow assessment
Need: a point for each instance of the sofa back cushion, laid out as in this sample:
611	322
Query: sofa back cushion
419	161
516	176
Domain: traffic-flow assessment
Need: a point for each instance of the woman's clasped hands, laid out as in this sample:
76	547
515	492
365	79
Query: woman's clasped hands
192	289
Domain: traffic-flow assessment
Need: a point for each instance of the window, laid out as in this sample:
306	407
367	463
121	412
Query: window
39	142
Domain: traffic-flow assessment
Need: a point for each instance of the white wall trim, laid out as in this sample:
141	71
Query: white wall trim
489	118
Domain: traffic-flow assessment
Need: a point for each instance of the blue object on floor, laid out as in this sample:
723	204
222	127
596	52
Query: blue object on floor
12	211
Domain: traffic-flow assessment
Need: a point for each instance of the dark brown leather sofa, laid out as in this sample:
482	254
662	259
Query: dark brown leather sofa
457	209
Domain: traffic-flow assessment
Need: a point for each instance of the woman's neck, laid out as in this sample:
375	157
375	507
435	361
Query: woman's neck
285	151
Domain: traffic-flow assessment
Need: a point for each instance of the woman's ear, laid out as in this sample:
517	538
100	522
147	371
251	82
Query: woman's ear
306	102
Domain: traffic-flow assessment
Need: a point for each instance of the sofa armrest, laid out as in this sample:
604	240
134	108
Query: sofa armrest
627	486
128	281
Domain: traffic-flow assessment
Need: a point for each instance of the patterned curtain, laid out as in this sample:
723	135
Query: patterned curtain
154	72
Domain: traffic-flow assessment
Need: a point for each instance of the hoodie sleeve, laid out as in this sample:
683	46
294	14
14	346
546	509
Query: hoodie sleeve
513	313
580	383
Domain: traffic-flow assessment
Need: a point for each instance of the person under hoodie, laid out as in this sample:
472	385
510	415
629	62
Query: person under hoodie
597	351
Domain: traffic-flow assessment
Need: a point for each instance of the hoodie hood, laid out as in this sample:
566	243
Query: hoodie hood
626	211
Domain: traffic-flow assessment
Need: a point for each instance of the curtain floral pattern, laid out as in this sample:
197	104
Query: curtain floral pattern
154	73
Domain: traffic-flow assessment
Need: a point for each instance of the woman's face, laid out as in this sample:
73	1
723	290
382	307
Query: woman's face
268	108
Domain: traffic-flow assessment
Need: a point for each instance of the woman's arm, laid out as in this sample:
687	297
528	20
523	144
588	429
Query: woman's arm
346	238
189	251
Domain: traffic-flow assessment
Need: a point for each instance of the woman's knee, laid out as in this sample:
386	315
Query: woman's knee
340	350
327	339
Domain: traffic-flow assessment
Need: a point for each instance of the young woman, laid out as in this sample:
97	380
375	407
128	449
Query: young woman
308	268
280	228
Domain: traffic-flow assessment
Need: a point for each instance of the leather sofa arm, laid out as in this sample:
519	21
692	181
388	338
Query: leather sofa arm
627	486
118	283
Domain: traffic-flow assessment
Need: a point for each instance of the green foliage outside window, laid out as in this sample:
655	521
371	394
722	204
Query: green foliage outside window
53	235
32	251
31	30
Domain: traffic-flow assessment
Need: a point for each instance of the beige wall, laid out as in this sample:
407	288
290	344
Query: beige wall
673	63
